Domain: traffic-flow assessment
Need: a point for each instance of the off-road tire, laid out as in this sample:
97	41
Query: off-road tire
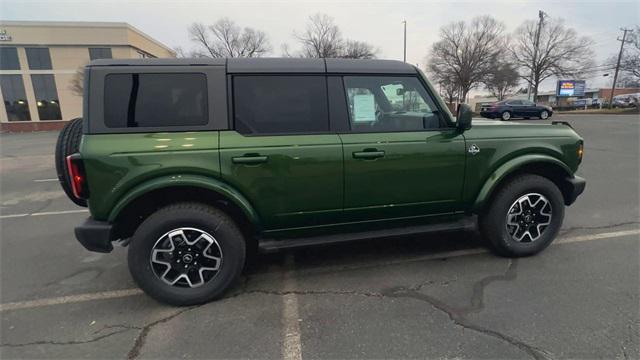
192	215
68	143
493	221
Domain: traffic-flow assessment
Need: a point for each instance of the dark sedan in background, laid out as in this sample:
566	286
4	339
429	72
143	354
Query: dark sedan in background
509	109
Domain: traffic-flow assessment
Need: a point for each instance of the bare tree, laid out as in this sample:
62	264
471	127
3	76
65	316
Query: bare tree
561	52
354	49
630	62
226	39
77	82
502	80
467	50
322	39
447	82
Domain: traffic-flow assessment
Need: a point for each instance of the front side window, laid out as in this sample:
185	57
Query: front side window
9	58
15	99
280	104
388	103
38	58
99	53
44	88
155	100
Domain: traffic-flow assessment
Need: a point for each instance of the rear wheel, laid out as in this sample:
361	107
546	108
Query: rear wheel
506	115
186	254
68	143
524	216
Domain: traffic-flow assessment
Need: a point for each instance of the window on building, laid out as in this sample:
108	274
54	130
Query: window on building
38	58
9	58
280	104
155	100
387	103
44	88
100	53
15	99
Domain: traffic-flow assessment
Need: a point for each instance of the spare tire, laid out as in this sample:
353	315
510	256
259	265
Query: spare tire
68	143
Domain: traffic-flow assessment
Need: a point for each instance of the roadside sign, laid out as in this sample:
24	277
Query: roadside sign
569	88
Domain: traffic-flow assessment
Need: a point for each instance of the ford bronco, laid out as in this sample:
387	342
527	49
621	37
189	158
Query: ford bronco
193	163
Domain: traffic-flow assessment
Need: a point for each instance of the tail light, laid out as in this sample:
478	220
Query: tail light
77	176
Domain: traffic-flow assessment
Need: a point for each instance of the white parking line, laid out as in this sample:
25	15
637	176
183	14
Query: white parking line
45	180
69	299
62	212
291	346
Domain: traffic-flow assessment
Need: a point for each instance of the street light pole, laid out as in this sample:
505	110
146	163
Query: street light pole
404	58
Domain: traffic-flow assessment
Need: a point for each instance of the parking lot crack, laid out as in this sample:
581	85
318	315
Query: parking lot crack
566	231
142	336
72	342
458	314
313	292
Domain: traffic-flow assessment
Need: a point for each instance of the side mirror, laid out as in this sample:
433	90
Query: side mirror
463	119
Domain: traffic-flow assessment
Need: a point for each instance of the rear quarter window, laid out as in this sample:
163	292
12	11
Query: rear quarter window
155	100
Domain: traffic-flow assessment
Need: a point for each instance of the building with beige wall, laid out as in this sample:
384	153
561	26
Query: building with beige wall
41	61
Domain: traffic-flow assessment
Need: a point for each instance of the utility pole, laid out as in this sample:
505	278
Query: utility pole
534	66
615	76
404	58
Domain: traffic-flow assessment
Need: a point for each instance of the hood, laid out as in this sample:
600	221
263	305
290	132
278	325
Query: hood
483	122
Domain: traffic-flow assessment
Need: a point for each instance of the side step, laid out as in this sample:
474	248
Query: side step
272	245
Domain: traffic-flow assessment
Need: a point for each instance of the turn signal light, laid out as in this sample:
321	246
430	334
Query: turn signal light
580	151
77	176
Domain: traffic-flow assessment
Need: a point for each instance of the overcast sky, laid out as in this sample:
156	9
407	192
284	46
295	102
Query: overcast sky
376	22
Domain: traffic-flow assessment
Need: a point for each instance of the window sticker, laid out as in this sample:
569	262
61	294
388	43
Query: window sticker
364	108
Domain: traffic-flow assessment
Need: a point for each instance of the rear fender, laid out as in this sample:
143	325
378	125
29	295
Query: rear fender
191	181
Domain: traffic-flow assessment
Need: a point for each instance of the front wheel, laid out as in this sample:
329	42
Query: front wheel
524	216
186	254
506	115
544	115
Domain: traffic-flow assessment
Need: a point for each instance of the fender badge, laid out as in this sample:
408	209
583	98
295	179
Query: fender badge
474	149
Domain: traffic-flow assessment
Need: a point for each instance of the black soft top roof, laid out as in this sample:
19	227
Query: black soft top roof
274	65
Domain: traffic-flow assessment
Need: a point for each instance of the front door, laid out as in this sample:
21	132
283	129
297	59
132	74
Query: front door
280	154
400	158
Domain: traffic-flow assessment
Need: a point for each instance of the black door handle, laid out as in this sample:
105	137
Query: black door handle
368	154
249	159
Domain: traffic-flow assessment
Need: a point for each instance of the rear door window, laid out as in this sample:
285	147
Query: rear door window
275	104
155	100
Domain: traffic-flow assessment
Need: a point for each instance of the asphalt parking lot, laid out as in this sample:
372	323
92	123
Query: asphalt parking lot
436	296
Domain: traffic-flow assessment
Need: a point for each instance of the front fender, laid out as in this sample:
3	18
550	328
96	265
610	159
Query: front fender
508	168
187	180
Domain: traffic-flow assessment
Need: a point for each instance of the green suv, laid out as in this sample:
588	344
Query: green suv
194	163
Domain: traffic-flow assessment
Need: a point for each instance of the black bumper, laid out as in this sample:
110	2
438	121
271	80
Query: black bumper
95	235
574	186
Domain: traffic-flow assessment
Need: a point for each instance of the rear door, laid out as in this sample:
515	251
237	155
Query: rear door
529	109
280	154
400	157
517	109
